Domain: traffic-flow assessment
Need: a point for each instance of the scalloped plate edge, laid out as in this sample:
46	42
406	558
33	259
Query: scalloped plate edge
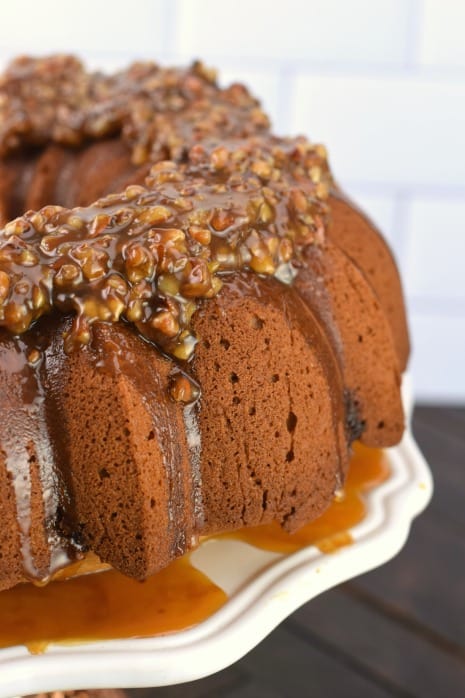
274	586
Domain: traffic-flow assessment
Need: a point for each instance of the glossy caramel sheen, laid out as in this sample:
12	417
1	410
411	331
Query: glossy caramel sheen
108	605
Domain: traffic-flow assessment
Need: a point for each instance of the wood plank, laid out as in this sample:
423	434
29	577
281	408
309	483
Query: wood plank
377	643
446	456
250	689
293	667
449	420
426	580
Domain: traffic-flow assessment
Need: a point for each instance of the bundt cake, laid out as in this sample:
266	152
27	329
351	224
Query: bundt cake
195	322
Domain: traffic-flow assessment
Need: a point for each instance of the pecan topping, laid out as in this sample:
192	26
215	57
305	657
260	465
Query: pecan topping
230	197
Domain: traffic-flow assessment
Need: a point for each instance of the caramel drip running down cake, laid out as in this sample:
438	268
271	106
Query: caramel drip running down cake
195	321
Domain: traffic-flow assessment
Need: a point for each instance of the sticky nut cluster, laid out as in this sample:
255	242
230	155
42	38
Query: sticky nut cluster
151	254
159	111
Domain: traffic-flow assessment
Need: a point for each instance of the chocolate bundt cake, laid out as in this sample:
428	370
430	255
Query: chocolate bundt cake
195	322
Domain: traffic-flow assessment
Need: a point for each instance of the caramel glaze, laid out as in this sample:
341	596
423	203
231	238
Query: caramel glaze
109	605
28	457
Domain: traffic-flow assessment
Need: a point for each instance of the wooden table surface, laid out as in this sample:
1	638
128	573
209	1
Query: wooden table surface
396	631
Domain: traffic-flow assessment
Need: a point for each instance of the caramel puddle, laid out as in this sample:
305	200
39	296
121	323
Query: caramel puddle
107	605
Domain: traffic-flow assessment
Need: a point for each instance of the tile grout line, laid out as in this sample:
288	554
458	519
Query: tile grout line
285	101
415	25
446	307
328	69
400	232
383	187
170	12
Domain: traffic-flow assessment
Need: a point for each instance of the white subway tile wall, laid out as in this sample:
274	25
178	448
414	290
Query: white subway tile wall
393	131
442	38
295	31
381	82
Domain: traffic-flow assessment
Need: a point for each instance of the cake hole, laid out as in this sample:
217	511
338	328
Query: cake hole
274	378
291	422
277	434
206	344
225	343
234	378
151	436
236	400
290	456
252	411
360	338
103	472
257	323
381	425
152	503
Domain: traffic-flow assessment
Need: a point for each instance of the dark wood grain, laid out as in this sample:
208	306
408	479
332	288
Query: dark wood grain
291	665
397	631
377	643
445	451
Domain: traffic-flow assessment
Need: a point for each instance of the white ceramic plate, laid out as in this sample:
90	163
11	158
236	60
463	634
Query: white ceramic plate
263	588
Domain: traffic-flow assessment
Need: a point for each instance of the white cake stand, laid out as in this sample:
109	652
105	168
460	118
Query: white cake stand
263	589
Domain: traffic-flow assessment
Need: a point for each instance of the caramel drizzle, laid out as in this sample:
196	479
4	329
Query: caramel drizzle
25	365
18	468
58	549
194	444
18	457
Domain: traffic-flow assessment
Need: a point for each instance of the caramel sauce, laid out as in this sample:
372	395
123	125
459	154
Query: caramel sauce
108	605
